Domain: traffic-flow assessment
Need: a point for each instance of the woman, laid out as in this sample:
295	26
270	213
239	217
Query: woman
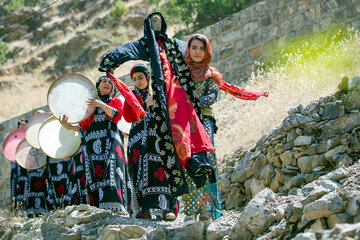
206	201
19	181
177	114
107	177
145	165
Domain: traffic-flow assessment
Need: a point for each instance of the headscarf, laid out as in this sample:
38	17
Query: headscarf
140	68
104	98
201	71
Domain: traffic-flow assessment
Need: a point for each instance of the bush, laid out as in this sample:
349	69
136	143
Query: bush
3	52
119	9
15	5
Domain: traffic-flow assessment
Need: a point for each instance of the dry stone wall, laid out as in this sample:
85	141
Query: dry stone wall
250	35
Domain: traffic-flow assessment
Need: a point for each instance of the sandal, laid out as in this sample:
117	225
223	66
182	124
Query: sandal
169	215
204	217
189	220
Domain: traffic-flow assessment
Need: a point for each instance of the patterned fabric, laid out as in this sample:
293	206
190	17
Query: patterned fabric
106	171
36	194
79	192
206	199
146	166
188	135
19	186
59	186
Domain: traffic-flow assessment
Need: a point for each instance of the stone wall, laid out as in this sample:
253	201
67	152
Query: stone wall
313	145
240	40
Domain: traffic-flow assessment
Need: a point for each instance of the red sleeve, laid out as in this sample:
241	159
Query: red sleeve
86	123
117	104
128	112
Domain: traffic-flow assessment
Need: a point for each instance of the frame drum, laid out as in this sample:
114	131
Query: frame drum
68	95
11	142
29	157
33	126
56	141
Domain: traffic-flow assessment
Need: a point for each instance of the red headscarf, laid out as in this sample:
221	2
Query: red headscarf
201	71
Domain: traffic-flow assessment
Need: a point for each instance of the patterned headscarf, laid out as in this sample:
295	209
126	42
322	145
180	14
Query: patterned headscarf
105	98
140	68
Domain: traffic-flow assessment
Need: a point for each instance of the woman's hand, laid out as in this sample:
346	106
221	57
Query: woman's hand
149	100
64	122
96	103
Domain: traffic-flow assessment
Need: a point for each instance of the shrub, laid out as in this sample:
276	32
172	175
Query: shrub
119	9
3	52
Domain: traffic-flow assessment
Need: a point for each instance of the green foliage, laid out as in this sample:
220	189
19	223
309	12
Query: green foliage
3	51
196	14
15	5
119	9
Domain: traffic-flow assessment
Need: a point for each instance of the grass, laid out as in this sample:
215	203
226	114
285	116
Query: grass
302	78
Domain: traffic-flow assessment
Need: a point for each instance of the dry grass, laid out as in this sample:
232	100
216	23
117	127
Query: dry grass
299	81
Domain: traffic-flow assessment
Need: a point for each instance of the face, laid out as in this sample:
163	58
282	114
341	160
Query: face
139	80
197	50
105	87
155	22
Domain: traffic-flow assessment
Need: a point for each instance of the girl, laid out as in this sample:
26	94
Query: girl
206	200
145	163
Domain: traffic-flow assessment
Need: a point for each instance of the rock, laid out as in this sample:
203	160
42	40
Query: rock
338	218
303	140
327	205
305	236
332	110
257	216
242	170
314	190
216	230
354	82
308	163
122	232
335	175
353	208
319	225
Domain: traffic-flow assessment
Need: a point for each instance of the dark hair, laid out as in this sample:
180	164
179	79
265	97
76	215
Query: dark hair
22	120
199	38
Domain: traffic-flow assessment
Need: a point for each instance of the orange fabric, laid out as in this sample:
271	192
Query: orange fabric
129	96
188	133
128	113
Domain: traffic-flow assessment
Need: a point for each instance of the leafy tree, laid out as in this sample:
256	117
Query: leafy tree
119	9
3	51
196	14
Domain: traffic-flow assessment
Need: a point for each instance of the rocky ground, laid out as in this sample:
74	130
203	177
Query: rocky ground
300	181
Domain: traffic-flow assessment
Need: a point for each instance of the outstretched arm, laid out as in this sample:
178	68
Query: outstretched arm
129	51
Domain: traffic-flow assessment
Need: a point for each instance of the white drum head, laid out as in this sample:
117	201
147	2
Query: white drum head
29	157
123	125
68	95
33	126
56	141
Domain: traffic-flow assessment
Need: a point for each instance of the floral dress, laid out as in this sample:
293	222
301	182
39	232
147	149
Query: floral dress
145	163
205	200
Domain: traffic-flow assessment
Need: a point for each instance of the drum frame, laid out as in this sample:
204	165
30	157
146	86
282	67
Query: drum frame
67	75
